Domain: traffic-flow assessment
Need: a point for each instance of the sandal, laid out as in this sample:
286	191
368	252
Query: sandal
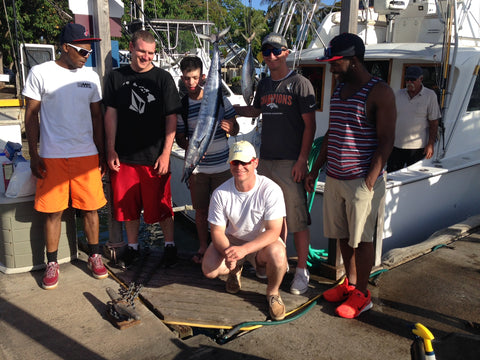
197	258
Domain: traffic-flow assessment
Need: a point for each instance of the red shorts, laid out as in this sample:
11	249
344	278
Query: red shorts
78	179
137	187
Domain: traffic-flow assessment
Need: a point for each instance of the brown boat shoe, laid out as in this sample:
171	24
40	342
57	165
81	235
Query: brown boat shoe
276	307
234	284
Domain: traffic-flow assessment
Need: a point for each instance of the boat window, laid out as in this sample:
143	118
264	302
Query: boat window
316	75
380	69
474	103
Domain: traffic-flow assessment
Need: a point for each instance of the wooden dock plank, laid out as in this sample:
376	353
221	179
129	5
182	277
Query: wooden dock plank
183	295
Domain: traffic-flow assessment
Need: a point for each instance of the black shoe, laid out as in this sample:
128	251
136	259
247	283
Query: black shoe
169	256
130	257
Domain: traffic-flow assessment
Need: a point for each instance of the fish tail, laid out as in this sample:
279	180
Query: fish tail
214	38
249	39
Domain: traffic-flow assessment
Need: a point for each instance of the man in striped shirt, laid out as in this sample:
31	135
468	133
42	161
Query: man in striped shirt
355	149
213	169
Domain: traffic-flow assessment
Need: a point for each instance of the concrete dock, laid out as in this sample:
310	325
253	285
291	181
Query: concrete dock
439	289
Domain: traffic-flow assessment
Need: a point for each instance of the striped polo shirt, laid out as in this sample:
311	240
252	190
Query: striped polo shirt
352	139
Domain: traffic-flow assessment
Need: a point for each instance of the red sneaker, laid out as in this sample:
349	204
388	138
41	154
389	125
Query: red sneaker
50	279
339	292
95	264
356	303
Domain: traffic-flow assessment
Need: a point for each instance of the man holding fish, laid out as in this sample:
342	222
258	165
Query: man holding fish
142	103
213	168
286	101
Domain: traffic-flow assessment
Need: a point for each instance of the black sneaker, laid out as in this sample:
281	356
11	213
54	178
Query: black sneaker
130	257
169	256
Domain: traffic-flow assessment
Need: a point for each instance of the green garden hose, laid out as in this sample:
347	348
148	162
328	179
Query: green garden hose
224	338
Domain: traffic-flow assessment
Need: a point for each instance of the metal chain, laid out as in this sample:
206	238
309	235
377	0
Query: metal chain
131	293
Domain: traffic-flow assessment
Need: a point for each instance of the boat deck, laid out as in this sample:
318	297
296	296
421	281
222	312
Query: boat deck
181	295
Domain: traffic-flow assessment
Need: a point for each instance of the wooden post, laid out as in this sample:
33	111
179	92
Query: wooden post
101	21
349	15
333	268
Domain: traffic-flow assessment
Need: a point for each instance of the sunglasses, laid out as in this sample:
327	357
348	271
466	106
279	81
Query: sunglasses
238	162
83	52
275	52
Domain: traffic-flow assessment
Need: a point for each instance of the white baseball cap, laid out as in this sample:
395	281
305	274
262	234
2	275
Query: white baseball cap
243	151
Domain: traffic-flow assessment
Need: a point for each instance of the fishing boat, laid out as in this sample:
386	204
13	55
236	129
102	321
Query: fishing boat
443	38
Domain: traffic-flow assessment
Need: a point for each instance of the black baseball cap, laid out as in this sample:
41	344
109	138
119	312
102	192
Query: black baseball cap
72	33
413	73
344	45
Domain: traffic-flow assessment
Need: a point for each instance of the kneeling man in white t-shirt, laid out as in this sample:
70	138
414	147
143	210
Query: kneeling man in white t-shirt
246	217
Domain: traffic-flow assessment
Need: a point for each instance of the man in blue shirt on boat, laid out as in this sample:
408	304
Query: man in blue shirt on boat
355	150
246	217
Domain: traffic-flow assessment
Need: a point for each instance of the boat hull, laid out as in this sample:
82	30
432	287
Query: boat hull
419	200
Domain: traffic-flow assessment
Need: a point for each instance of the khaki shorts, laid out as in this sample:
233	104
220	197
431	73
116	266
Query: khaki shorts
77	179
202	186
294	193
350	209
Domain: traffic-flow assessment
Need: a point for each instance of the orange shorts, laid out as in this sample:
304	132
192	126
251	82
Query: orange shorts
78	179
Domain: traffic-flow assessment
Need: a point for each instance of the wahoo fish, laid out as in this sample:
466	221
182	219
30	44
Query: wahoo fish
211	110
248	73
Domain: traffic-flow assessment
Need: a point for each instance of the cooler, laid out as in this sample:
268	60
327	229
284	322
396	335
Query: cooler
22	243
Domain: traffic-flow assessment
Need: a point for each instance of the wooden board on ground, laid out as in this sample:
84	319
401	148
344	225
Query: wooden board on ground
183	295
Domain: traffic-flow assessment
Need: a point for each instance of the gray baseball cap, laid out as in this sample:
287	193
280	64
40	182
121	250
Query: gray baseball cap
274	39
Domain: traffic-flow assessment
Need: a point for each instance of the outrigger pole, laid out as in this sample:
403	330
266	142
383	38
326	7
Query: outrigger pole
447	42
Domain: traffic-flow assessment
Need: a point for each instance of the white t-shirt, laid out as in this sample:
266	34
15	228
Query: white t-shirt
413	115
244	213
66	128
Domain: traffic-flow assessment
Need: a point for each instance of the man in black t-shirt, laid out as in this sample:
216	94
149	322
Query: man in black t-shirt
141	105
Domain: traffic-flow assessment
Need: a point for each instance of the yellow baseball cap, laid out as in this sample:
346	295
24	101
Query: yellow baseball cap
243	151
